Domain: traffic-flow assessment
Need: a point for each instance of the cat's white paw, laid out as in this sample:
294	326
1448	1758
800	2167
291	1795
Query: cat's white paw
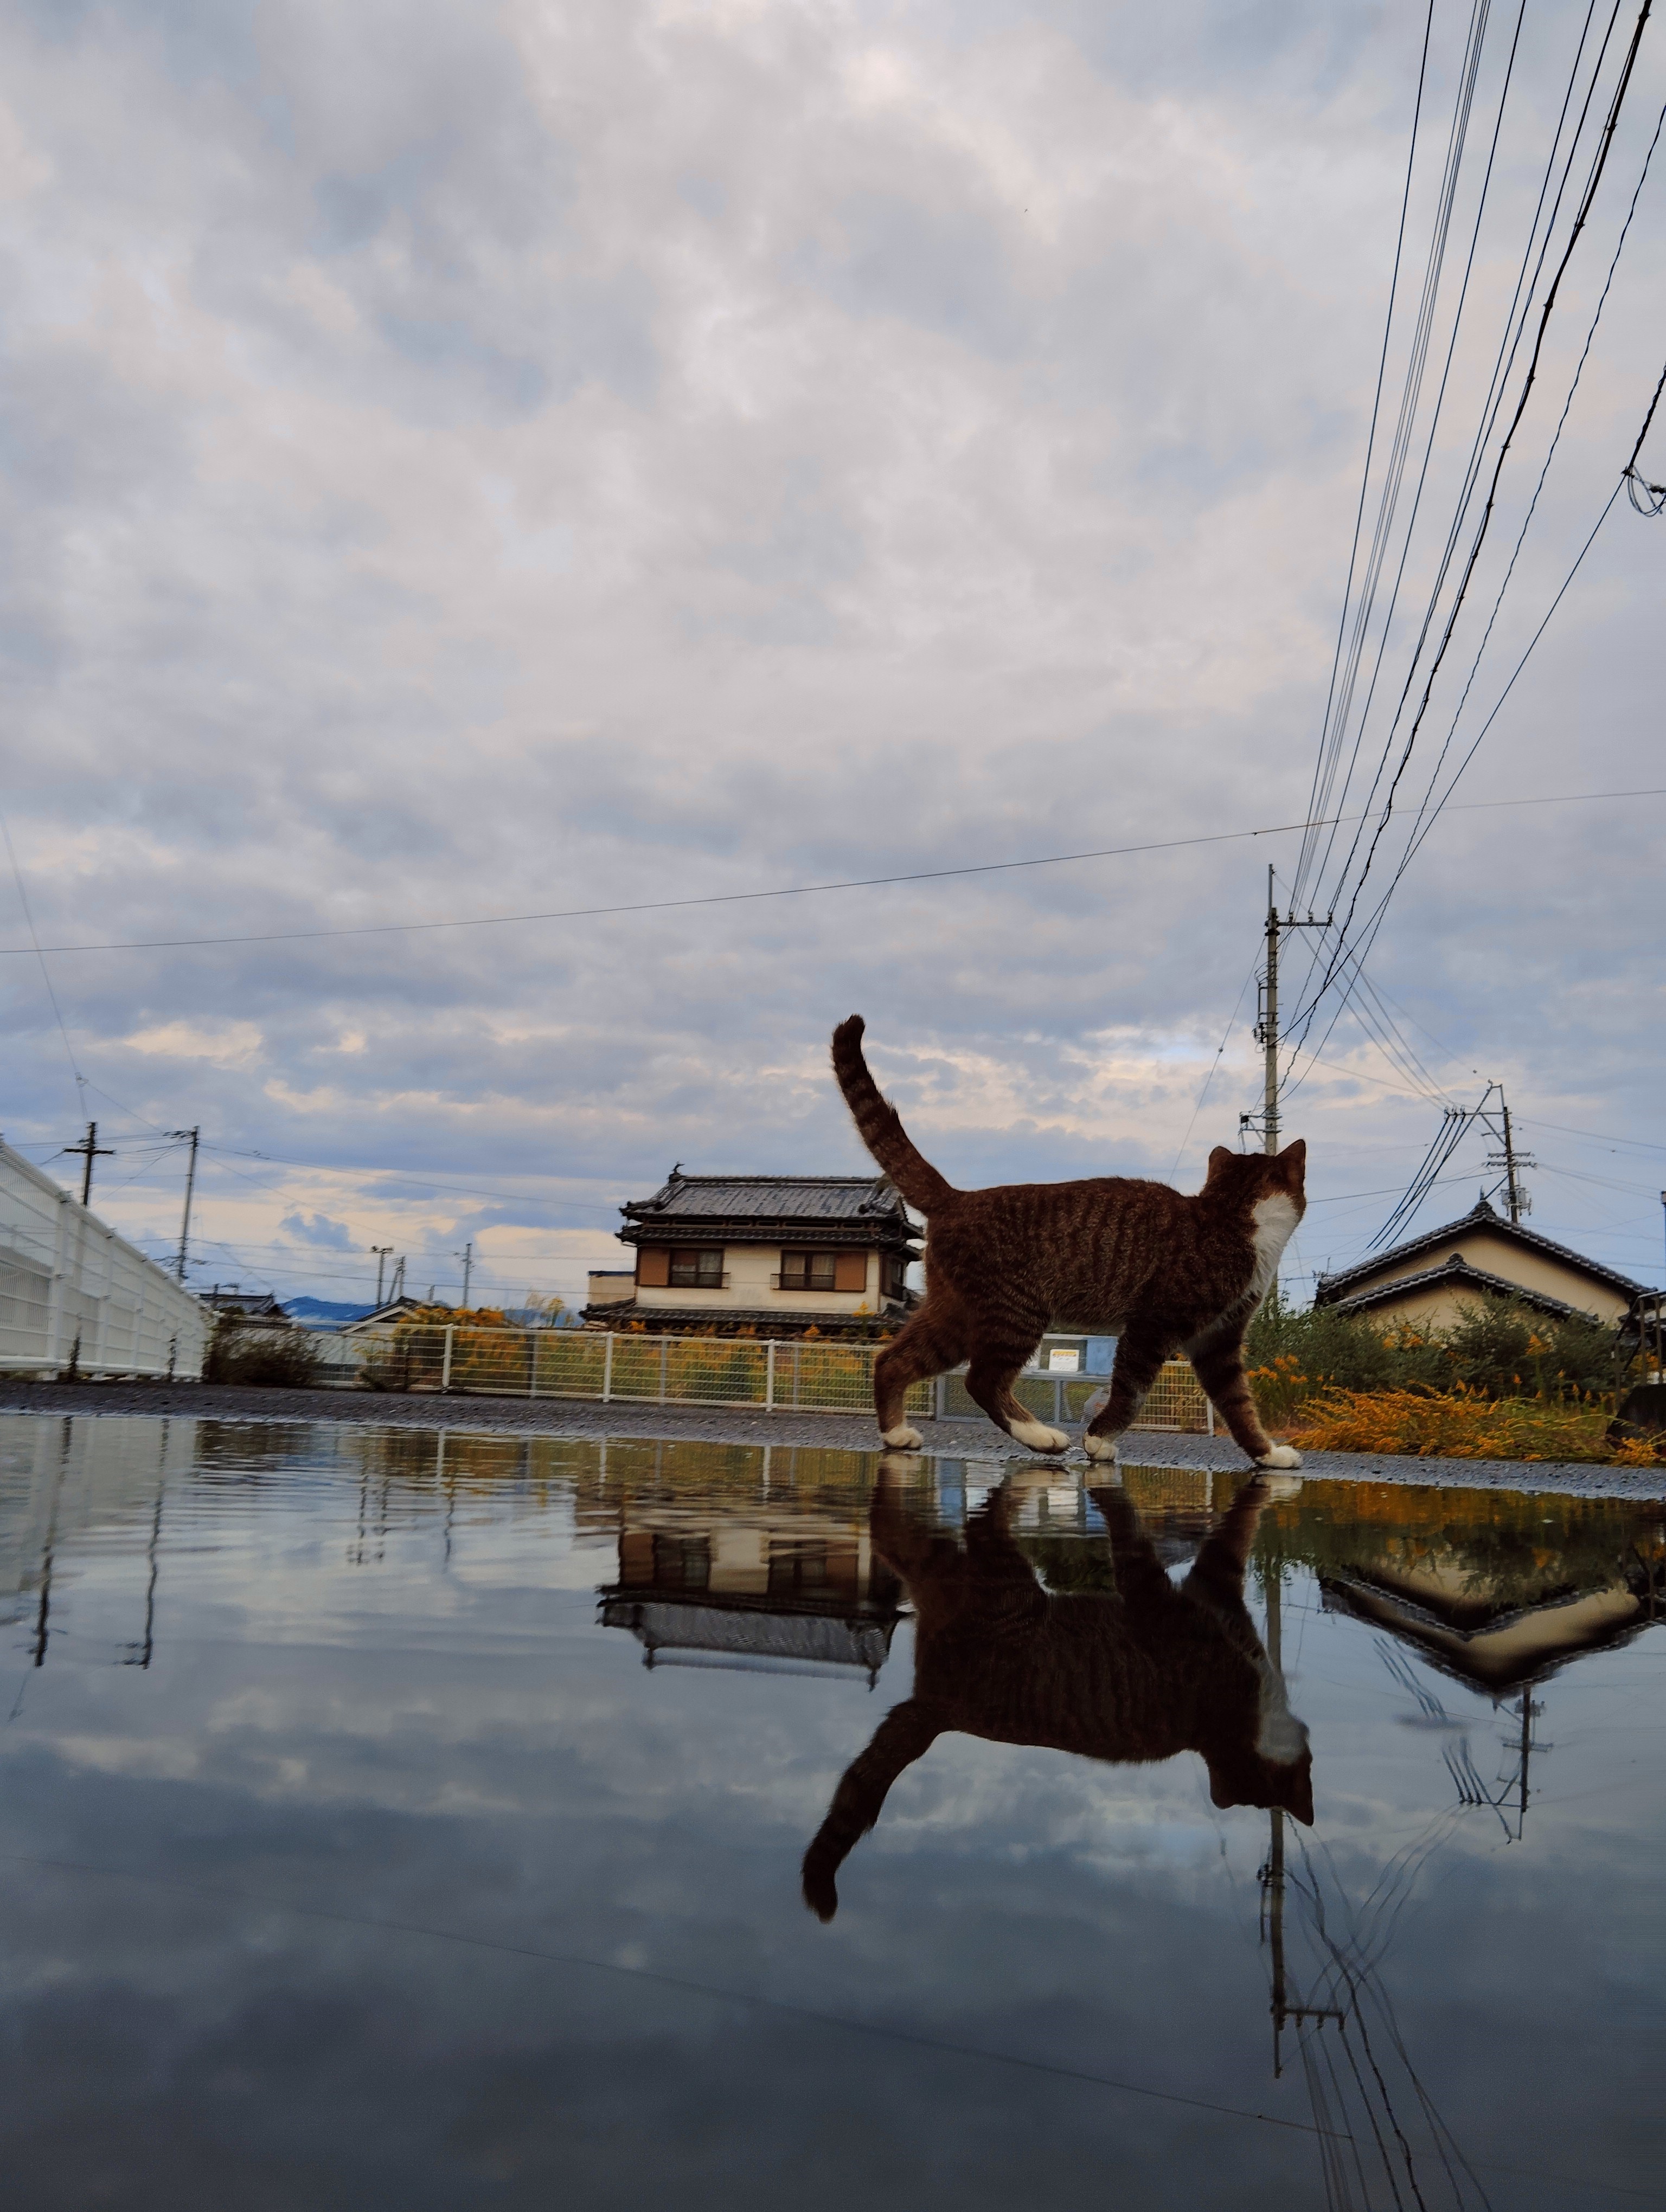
901	1439
1036	1437
1100	1448
1276	1488
1280	1455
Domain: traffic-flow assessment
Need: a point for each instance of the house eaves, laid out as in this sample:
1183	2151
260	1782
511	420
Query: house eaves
1455	1273
1335	1289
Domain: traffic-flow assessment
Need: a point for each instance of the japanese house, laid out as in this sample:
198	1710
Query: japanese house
800	1593
1430	1279
763	1256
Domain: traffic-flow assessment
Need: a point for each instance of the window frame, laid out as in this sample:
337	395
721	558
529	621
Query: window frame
803	1277
689	1269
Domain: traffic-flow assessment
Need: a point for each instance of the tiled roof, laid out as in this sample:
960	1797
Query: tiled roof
1455	1273
1335	1289
768	1198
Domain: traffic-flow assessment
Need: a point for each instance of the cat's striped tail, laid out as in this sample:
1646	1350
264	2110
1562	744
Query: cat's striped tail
878	1125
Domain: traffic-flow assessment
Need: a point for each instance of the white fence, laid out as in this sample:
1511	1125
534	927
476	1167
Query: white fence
801	1374
72	1291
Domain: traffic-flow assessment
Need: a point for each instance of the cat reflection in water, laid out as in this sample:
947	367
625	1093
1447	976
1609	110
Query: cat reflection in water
1138	1672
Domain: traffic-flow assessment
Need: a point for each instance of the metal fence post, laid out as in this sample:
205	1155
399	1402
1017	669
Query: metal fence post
445	1364
607	1370
770	1377
531	1363
664	1358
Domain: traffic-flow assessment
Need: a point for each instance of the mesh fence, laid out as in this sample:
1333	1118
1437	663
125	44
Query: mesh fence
1175	1401
797	1376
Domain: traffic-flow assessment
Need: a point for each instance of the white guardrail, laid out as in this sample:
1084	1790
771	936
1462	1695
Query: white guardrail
800	1374
74	1292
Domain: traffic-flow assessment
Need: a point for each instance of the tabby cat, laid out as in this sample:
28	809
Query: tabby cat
1162	1272
1139	1672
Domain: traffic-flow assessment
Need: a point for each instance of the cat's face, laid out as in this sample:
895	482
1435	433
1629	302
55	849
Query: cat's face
1251	1177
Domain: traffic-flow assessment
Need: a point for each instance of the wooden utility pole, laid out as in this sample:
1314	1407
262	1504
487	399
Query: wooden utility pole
1512	1180
90	1150
1516	1198
190	1137
1267	1027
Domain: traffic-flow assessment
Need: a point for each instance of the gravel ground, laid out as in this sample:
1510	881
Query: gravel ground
731	1424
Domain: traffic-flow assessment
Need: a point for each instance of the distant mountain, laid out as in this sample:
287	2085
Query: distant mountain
324	1313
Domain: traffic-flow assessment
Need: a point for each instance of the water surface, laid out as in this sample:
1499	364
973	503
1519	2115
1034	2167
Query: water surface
397	1818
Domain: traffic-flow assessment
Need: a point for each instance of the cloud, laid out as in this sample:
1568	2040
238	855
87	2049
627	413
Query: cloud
492	462
328	1235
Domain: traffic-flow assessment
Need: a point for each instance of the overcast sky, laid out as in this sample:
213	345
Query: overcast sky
479	460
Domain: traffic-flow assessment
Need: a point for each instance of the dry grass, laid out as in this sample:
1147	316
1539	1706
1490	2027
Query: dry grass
1462	1424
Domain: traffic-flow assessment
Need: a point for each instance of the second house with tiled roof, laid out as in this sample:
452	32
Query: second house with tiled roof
1434	1277
765	1255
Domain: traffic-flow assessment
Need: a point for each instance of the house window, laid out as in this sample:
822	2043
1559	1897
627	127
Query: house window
808	1271
697	1271
893	1274
683	1563
822	1271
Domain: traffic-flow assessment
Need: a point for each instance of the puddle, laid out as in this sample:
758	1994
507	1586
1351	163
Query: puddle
397	1818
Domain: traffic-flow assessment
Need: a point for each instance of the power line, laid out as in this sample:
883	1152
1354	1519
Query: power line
1598	166
1507	350
788	891
45	976
1597	1136
1319	799
1443	804
1653	496
1550	456
1490	406
1400	447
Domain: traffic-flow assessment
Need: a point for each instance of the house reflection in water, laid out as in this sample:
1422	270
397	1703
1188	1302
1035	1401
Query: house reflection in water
1489	1630
792	1593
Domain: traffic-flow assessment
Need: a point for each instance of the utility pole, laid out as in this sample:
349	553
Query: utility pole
1267	1026
191	1181
396	1289
1273	1872
1267	1029
1516	1198
467	1257
90	1149
382	1253
1511	1184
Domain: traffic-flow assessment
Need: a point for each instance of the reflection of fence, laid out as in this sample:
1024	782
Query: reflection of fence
797	1376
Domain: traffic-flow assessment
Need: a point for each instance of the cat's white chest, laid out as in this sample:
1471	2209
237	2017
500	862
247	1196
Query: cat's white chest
1275	1217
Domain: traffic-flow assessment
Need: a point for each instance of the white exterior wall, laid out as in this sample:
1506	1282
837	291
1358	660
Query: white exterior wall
64	1275
748	1268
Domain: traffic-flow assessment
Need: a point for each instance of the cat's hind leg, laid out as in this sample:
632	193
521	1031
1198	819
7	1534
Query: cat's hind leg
1218	1362
932	1341
1139	1357
989	1379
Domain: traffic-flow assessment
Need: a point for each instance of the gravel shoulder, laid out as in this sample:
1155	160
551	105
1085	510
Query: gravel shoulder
974	1440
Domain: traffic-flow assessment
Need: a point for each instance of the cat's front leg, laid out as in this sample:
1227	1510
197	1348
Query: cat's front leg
1219	1363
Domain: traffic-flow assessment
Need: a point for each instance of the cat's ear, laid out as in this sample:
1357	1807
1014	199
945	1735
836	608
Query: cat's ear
1219	1160
1293	1159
